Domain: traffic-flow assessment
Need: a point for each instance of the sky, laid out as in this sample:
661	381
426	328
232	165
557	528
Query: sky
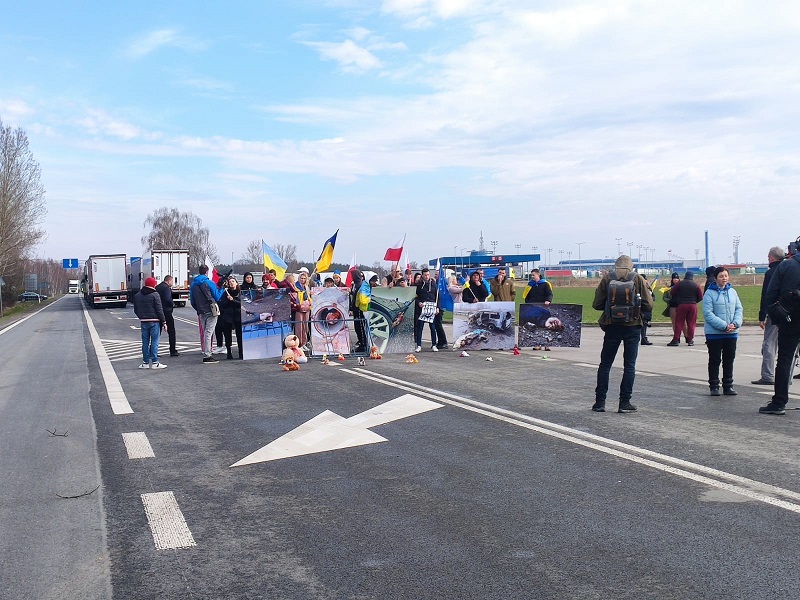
576	126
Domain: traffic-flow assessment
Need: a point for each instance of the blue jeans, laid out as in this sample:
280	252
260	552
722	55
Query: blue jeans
151	333
616	334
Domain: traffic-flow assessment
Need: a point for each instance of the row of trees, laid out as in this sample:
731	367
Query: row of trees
22	207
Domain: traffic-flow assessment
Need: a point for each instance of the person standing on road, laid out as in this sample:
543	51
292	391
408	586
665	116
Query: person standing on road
147	306
474	291
203	296
539	290
164	290
769	347
687	294
617	333
230	308
723	314
427	292
783	286
647	316
501	287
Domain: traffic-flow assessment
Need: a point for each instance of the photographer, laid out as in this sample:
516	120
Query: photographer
783	286
231	314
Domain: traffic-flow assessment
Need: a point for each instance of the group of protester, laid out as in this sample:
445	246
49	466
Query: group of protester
723	316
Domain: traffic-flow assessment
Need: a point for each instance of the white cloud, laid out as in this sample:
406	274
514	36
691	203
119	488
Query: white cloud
14	109
154	40
350	56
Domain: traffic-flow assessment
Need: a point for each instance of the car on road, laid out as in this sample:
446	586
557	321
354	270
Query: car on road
31	297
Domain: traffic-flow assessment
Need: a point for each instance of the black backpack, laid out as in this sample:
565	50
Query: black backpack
623	305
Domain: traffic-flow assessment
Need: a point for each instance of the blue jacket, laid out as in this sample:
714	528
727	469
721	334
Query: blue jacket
720	308
199	299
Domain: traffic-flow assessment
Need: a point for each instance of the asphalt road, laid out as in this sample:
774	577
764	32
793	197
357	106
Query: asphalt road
478	479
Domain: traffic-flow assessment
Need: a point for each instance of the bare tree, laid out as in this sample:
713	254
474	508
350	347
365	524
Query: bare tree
22	204
171	229
253	254
288	252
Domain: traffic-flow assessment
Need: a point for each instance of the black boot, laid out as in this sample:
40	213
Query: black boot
230	354
729	391
715	390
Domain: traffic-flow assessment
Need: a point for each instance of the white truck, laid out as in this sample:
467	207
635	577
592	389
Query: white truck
158	264
104	280
74	286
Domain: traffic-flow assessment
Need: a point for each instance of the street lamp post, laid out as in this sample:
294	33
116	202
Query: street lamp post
639	248
561	256
618	246
630	248
579	257
494	246
549	250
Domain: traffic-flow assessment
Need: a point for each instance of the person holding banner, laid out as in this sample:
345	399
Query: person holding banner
430	312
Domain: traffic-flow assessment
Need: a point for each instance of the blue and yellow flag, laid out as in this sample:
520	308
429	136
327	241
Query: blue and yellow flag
326	256
363	296
273	261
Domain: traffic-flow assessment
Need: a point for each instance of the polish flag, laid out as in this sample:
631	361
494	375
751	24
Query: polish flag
353	266
395	253
213	275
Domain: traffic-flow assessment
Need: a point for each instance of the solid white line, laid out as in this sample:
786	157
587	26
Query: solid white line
594	442
22	320
166	521
116	395
137	445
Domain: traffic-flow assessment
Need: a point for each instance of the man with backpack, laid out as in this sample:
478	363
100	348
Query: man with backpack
622	295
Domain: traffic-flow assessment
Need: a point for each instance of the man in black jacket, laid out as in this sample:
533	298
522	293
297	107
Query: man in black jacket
164	290
784	282
769	347
147	306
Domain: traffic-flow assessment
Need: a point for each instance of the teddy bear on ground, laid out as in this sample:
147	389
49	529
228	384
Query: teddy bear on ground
374	354
293	353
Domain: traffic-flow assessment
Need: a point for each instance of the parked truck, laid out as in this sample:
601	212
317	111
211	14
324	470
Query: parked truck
104	280
74	286
158	264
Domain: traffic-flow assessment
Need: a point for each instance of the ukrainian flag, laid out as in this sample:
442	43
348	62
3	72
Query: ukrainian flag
363	296
273	261
326	256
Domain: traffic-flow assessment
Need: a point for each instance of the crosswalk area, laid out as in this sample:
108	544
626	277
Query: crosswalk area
118	350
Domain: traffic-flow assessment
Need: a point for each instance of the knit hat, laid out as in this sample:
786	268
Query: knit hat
689	275
150	282
674	275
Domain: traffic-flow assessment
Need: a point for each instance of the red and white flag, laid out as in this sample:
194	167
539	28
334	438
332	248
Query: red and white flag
213	275
395	253
353	266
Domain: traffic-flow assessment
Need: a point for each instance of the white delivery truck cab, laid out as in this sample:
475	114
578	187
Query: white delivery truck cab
160	263
104	278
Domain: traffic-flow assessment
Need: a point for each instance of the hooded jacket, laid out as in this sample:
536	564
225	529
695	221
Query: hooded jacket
686	291
721	307
147	306
623	267
762	309
538	291
201	294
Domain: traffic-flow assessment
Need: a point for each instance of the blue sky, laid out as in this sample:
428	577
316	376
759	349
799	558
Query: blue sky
538	123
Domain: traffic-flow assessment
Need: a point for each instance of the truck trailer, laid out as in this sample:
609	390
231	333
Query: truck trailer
104	280
158	264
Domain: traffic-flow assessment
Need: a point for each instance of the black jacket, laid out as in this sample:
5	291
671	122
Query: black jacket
686	292
785	278
147	305
475	293
426	292
762	309
230	310
165	293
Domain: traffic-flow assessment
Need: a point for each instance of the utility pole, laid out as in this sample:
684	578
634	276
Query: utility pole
736	240
619	251
494	246
579	257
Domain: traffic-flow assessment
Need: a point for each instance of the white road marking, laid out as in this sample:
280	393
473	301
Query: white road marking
750	488
116	395
22	320
137	445
166	521
328	431
577	364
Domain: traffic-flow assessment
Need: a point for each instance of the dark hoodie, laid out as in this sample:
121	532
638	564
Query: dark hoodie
147	306
686	291
623	267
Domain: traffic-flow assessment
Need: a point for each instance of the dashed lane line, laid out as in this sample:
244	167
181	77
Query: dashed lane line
137	445
166	521
756	490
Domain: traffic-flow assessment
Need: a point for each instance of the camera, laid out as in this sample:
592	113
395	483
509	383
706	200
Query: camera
223	280
794	247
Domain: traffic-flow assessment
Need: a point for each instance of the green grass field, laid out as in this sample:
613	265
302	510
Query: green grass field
750	296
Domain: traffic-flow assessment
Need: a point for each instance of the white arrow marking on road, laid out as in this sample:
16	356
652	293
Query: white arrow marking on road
328	431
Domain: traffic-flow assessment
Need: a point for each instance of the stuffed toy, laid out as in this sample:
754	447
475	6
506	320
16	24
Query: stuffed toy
289	364
340	358
325	360
374	354
411	359
293	351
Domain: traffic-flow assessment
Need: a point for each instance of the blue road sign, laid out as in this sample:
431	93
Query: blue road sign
70	263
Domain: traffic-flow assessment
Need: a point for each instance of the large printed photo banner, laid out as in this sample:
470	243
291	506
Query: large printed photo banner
484	325
265	316
556	325
329	331
391	319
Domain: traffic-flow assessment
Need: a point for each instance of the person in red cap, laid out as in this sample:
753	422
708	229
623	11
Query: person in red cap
147	306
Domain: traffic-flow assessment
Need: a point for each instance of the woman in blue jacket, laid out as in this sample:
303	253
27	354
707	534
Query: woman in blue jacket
723	314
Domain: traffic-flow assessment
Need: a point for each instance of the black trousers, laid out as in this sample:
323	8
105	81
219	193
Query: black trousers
227	332
170	321
788	338
361	328
721	350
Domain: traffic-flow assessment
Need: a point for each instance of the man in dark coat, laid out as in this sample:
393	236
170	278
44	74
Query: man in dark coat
147	306
164	290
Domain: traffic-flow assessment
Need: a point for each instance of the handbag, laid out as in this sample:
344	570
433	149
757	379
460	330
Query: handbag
214	309
428	312
778	314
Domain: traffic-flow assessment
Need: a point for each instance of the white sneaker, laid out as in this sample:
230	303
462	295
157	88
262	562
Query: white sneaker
418	349
144	366
434	349
220	350
158	365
